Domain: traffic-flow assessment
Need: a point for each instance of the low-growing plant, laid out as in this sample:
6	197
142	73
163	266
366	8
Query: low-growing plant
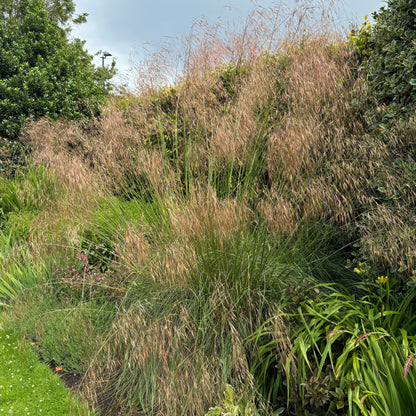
65	334
28	386
81	281
233	405
317	362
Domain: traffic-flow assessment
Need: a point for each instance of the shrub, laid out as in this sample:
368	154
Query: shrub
42	72
390	56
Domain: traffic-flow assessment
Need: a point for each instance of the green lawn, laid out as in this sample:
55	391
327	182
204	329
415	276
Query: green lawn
28	387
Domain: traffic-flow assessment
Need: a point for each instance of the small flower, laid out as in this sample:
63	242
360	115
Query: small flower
381	280
360	270
58	368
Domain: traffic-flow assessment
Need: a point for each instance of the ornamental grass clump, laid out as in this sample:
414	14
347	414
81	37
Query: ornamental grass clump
198	304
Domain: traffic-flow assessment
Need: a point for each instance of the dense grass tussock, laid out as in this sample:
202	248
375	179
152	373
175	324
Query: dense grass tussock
219	232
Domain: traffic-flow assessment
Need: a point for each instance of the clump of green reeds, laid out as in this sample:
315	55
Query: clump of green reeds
341	354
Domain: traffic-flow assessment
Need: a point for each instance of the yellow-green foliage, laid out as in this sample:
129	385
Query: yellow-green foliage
29	387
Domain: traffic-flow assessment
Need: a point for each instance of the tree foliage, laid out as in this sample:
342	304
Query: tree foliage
42	72
61	11
389	48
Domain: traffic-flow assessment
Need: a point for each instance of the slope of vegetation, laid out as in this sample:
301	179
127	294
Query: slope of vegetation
240	242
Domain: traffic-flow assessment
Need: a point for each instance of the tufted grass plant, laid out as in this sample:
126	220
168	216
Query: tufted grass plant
18	272
194	293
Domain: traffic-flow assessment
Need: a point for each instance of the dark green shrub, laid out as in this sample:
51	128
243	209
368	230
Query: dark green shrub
43	73
390	56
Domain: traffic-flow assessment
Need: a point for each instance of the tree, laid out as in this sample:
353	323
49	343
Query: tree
42	73
61	11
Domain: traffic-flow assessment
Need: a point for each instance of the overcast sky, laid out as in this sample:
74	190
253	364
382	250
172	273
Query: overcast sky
127	28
